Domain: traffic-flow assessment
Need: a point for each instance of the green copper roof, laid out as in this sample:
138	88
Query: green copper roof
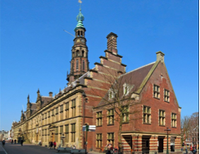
79	19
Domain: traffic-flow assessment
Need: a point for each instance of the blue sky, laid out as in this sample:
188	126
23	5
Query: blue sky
36	52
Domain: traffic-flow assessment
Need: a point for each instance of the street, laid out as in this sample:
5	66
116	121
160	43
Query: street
25	149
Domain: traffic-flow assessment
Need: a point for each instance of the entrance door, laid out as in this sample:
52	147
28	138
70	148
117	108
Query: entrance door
160	144
145	144
52	137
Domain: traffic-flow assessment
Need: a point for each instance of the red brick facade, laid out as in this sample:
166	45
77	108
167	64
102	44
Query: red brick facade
136	135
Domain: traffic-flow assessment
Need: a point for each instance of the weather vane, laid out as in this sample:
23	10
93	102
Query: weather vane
80	3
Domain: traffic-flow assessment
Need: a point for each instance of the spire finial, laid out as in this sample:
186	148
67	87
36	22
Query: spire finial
79	18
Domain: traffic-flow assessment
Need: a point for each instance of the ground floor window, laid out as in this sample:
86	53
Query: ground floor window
67	133
73	132
99	140
56	134
110	138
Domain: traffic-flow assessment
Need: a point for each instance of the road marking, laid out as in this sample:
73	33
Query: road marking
4	150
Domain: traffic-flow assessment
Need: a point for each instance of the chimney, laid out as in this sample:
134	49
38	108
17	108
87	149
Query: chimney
50	94
112	42
160	56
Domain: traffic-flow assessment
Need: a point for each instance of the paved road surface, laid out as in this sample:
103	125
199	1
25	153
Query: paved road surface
29	149
1	149
25	149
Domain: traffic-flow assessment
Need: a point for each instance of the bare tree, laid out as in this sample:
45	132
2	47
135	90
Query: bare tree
190	127
185	126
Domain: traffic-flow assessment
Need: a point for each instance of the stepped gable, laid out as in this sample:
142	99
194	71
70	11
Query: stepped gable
133	78
110	65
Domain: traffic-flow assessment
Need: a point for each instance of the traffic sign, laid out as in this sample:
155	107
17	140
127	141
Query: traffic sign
91	128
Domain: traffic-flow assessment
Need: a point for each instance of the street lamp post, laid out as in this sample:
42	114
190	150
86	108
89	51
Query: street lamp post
167	139
84	101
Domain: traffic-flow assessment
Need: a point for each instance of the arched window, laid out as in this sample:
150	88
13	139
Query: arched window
81	33
77	53
78	33
77	64
83	65
82	53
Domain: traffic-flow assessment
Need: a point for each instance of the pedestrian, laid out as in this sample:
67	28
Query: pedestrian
15	141
21	142
186	149
3	142
194	150
191	148
12	141
51	144
54	144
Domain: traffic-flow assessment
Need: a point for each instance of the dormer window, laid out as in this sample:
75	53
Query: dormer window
125	89
111	94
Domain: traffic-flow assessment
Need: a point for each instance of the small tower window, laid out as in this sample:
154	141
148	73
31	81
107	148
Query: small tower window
82	53
78	33
81	33
77	64
83	65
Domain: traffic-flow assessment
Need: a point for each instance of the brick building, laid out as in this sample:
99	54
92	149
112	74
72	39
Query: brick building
83	101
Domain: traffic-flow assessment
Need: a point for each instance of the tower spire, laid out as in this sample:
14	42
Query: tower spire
79	61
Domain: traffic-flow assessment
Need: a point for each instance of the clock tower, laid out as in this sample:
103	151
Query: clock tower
79	61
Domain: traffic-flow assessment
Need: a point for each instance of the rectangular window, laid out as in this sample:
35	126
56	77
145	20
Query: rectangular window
110	117
67	110
156	91
166	95
174	120
74	108
61	129
53	112
146	115
98	140
67	133
76	64
125	113
48	114
57	110
110	138
83	64
99	118
161	117
61	108
73	132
